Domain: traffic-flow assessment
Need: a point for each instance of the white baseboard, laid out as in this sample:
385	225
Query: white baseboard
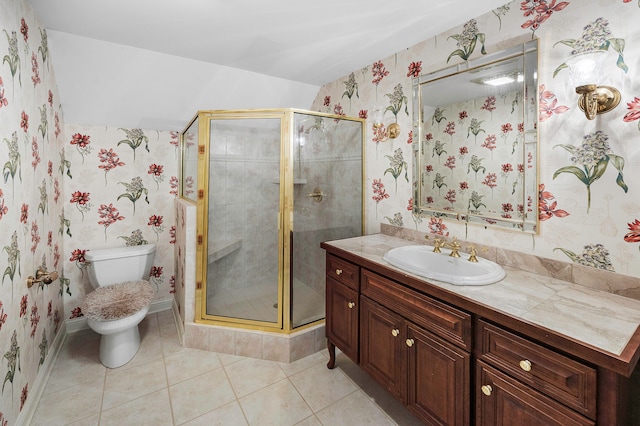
78	324
35	392
161	305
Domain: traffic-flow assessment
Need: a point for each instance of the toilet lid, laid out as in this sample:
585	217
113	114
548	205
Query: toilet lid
117	301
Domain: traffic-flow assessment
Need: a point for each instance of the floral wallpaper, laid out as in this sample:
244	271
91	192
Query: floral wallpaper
119	186
65	190
589	203
31	204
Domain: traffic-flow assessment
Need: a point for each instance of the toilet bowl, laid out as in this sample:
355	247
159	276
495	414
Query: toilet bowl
120	300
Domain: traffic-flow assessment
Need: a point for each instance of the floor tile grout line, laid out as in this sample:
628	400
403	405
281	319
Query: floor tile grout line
235	394
134	399
166	375
104	386
305	400
170	385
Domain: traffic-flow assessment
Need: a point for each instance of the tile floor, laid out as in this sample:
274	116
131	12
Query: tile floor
166	384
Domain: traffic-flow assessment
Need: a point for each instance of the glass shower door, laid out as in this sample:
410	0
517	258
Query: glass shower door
327	178
243	278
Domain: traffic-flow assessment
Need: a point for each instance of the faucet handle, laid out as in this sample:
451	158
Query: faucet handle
438	243
472	253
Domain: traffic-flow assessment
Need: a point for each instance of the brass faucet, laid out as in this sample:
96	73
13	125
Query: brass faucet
454	246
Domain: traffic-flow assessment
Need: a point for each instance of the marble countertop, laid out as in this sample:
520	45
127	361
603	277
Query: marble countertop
603	320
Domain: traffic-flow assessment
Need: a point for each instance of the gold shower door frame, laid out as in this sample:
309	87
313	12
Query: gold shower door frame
285	216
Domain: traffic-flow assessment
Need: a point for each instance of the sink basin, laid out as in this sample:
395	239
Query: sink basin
422	261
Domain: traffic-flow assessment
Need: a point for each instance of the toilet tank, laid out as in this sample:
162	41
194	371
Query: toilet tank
115	265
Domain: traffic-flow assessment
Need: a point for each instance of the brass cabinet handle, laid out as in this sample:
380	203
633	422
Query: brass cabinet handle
525	364
338	271
487	389
410	342
351	305
395	332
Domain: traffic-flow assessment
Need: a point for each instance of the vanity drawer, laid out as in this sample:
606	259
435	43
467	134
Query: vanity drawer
562	378
342	271
444	320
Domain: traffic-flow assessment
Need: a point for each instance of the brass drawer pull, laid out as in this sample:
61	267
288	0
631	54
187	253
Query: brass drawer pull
410	342
487	389
525	364
338	271
395	332
351	305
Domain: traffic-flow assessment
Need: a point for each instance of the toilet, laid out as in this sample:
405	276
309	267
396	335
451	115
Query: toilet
120	300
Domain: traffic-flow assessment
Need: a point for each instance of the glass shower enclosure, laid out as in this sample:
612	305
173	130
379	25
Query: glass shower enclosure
269	186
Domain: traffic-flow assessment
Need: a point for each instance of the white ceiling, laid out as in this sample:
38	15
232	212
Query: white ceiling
314	42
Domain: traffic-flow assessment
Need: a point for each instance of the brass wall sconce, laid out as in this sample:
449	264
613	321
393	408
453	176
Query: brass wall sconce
392	131
42	276
586	69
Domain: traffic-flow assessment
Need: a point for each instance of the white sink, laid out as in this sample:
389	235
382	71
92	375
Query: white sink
422	261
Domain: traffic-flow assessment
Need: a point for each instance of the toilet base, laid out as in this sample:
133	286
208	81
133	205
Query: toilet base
117	349
120	339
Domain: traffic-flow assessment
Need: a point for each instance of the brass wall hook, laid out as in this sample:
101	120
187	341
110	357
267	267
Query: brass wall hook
42	276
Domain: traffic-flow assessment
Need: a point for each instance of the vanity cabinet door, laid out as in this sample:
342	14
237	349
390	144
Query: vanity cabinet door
502	400
342	318
381	347
438	379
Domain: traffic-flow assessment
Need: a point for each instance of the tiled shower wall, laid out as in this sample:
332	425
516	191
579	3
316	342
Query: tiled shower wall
244	203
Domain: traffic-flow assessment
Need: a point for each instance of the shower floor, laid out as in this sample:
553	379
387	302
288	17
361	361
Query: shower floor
259	303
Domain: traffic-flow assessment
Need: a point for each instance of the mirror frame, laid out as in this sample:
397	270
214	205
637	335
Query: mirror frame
529	220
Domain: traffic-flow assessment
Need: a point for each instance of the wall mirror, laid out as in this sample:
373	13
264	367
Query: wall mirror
476	159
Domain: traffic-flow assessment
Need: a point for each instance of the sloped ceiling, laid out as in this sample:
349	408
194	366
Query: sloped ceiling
313	42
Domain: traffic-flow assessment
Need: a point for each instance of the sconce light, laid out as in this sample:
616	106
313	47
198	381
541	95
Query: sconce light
393	130
586	70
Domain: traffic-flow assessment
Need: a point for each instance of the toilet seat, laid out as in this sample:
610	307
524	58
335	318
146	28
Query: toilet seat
117	301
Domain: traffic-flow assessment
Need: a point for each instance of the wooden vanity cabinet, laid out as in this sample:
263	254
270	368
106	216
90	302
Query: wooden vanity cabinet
551	373
503	400
519	380
403	344
438	379
342	308
382	347
428	374
342	319
456	361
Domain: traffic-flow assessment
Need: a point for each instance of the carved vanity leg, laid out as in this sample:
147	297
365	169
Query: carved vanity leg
332	354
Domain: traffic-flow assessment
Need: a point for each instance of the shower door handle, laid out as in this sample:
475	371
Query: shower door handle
317	194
